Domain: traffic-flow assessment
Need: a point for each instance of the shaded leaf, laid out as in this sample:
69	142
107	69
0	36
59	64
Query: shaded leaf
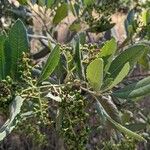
116	125
131	55
15	107
8	57
9	125
100	27
129	22
77	59
110	107
134	90
2	57
51	64
18	43
136	126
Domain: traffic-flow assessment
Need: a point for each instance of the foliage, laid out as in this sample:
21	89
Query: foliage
78	81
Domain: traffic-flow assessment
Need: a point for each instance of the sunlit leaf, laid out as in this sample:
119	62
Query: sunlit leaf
122	74
107	52
88	2
94	73
61	13
75	26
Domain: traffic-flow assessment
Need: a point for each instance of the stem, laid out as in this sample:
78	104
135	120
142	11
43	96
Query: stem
40	105
41	87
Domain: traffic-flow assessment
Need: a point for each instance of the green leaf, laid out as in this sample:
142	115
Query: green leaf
122	74
51	64
9	125
134	90
2	57
107	52
75	26
130	23
88	2
98	28
49	3
8	57
110	107
23	2
146	17
15	107
18	43
41	2
116	125
61	70
136	126
61	13
131	55
77	60
94	73
144	61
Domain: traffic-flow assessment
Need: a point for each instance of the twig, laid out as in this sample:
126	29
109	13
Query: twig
39	37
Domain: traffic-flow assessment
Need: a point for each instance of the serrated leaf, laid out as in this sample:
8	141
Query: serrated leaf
122	74
116	125
94	74
131	55
107	52
9	125
2	57
51	64
135	90
18	43
61	13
